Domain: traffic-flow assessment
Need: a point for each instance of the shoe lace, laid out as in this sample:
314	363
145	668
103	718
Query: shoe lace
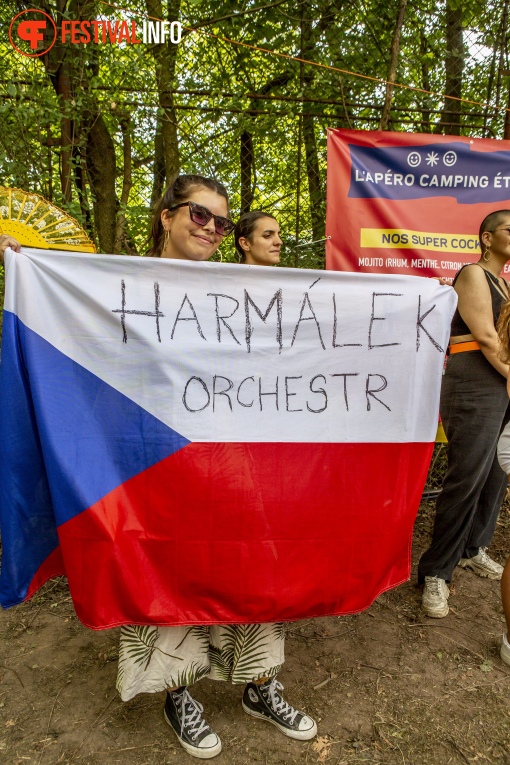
485	558
190	712
277	702
434	586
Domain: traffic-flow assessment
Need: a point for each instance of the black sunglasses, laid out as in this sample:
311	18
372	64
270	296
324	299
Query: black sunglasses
201	215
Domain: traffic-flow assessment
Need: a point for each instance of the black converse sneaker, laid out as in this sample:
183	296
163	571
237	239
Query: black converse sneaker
184	714
265	702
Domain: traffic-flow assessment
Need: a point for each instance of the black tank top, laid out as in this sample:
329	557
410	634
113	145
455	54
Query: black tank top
459	326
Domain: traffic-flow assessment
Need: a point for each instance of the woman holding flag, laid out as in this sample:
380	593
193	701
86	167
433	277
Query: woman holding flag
189	223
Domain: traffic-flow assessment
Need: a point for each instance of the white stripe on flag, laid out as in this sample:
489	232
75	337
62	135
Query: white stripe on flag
230	353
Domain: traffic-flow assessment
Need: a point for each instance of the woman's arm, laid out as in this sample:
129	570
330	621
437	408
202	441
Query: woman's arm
475	307
8	241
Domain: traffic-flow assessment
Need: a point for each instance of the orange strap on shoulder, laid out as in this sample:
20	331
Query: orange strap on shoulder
470	345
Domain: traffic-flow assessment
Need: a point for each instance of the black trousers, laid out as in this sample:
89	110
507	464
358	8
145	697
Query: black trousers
474	409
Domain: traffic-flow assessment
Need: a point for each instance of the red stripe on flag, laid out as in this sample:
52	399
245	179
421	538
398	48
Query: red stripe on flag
239	533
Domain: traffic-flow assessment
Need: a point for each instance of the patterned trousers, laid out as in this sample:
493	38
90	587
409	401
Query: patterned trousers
152	659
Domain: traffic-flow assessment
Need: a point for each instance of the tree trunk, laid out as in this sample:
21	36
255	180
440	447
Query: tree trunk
79	169
454	68
165	57
127	182
392	68
101	171
67	71
63	89
58	68
506	133
503	53
246	171
425	77
315	189
158	182
499	56
247	155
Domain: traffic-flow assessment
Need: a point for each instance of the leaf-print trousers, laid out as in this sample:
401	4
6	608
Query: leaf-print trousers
152	659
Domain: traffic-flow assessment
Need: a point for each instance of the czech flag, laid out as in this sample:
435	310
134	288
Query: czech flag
201	443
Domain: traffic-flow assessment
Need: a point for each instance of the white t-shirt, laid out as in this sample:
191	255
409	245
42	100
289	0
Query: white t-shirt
504	449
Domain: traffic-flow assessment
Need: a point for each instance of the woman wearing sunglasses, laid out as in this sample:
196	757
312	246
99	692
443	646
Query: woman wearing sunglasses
190	228
189	224
474	409
257	239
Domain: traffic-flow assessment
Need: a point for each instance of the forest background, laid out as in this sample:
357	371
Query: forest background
99	130
247	96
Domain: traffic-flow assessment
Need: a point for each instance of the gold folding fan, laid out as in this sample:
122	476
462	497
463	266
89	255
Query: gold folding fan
35	222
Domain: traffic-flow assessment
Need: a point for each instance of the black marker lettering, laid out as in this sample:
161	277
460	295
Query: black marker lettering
419	326
345	375
124	312
319	390
373	318
313	317
185	395
372	391
269	393
225	316
187	318
335	344
224	392
239	391
288	394
277	298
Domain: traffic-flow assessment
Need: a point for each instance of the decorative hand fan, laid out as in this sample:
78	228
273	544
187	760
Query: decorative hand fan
35	222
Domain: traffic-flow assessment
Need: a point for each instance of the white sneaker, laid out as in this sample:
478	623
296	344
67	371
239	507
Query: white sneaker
483	565
505	650
435	597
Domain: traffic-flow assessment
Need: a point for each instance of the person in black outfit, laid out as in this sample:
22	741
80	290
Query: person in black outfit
474	408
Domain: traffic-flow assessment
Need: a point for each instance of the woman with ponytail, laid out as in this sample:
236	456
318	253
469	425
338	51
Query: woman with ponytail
257	239
189	222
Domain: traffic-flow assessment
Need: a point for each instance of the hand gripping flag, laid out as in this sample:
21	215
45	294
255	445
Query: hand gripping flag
213	443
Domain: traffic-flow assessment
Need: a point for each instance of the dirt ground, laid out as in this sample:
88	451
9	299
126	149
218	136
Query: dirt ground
386	686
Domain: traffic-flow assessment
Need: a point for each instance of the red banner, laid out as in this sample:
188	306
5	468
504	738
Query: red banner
411	203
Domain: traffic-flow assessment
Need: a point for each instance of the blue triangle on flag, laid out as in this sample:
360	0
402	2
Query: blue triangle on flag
93	437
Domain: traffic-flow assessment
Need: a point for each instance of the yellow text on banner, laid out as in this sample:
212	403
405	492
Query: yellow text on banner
401	238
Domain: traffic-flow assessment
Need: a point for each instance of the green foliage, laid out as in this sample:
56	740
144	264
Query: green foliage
222	90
